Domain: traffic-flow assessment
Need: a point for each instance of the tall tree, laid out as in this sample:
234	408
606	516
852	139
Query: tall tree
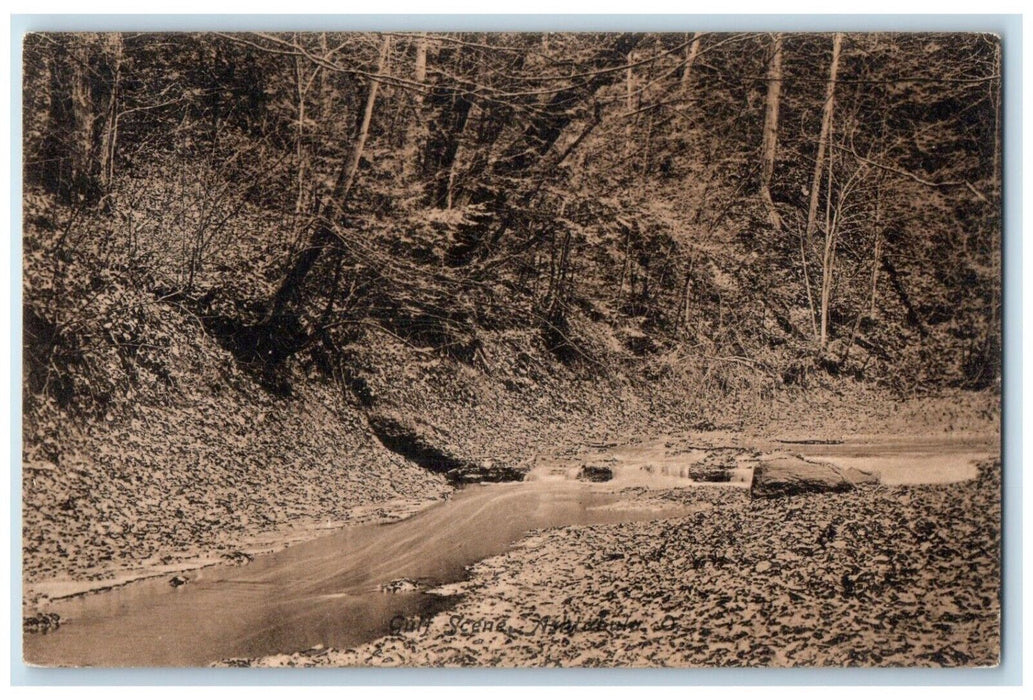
769	148
816	180
72	167
330	211
415	134
691	51
113	47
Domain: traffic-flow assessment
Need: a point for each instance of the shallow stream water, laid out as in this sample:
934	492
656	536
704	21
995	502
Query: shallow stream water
327	591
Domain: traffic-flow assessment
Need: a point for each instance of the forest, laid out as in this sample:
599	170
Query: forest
802	205
242	251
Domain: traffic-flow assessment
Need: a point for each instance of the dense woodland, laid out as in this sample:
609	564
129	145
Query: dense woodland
789	209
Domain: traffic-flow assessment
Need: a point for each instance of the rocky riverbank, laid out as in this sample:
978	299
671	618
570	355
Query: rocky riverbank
166	489
876	576
211	462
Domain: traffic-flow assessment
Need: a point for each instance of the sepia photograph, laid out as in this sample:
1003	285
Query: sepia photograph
511	349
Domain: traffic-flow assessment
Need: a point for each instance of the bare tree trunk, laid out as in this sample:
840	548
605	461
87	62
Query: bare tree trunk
876	252
335	203
647	149
558	286
625	268
819	161
416	131
807	287
448	111
70	132
343	188
686	306
109	138
473	115
690	58
828	258
420	74
770	145
691	52
453	169
82	109
629	105
299	136
302	87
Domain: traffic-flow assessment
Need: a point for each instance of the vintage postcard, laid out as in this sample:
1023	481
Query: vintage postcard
512	349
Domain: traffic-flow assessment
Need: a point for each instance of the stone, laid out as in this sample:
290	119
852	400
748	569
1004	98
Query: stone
791	475
422	443
41	623
238	558
595	474
710	474
474	473
859	476
401	585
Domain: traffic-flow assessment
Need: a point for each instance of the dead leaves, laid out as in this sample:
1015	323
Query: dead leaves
900	576
198	479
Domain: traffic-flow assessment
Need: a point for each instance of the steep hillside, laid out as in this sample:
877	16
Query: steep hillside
240	249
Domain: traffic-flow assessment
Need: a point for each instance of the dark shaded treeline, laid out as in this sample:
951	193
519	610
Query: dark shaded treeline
799	205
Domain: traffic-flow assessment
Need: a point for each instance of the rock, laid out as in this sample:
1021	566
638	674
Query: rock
238	558
595	474
177	581
859	476
41	623
710	474
475	473
762	566
424	444
788	476
401	585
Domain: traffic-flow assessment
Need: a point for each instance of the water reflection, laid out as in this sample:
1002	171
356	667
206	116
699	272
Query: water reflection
325	591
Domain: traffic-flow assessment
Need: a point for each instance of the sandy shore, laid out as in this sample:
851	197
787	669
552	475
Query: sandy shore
882	576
